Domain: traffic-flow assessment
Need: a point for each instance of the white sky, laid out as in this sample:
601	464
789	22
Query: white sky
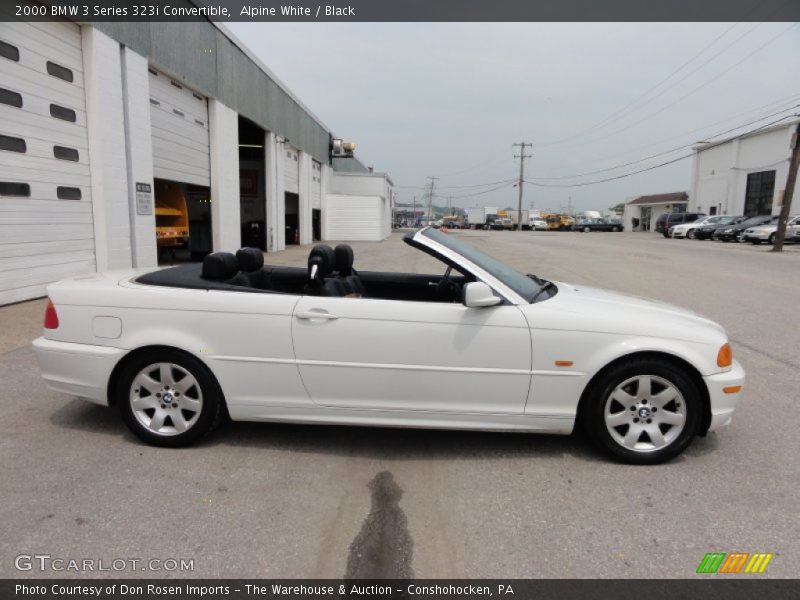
449	99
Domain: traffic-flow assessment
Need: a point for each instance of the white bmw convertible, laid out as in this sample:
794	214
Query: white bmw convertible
480	346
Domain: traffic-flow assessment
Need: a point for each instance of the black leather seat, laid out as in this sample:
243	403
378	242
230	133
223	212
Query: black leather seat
346	273
321	261
219	266
251	270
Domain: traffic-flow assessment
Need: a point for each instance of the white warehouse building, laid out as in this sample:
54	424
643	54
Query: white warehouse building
743	175
114	134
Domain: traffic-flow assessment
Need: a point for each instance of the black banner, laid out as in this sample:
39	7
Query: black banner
712	588
405	10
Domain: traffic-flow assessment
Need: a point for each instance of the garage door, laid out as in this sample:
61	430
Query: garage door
46	226
316	185
179	118
290	170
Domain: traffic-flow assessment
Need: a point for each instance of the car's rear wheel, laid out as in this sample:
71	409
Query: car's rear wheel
587	229
169	398
645	411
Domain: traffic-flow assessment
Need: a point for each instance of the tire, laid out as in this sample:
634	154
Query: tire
771	240
616	229
665	234
186	414
587	229
678	420
755	242
690	235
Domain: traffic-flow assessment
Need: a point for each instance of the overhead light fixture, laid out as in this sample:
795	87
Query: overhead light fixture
251	145
339	148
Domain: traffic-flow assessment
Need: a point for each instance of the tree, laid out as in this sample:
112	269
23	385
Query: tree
617	208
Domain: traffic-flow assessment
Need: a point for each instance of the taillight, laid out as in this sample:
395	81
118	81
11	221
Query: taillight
50	316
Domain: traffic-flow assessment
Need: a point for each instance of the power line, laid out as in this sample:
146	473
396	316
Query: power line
633	162
457	187
769	105
624	175
610	118
692	91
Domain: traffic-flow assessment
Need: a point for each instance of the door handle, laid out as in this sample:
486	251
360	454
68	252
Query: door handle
312	314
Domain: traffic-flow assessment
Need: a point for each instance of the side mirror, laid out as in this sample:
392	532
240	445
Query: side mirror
477	295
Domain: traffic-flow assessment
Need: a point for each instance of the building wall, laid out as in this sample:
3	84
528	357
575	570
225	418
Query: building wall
139	153
224	141
207	59
357	218
720	172
107	158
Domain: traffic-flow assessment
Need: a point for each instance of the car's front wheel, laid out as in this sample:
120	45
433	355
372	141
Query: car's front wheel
169	398
771	240
644	411
690	234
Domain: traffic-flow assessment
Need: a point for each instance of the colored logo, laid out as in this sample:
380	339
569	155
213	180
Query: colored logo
734	562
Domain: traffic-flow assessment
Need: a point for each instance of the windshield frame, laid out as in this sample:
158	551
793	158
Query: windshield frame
436	241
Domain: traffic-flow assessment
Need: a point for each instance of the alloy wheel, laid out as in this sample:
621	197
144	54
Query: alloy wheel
645	413
166	399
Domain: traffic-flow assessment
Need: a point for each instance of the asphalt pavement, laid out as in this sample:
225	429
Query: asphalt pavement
265	500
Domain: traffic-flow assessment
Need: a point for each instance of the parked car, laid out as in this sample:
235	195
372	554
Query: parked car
766	233
539	224
588	225
176	349
687	230
667	220
706	232
733	233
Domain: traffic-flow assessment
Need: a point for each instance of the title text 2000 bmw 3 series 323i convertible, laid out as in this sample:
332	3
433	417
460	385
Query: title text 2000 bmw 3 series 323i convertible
480	346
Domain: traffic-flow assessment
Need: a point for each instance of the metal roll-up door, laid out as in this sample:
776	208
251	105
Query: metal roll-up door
179	120
316	185
291	168
46	224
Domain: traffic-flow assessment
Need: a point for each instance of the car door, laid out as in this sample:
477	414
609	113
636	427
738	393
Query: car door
366	353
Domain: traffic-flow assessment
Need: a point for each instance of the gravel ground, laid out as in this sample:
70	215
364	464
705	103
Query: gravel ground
263	500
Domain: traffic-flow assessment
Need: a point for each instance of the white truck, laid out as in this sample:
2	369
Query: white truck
513	215
480	218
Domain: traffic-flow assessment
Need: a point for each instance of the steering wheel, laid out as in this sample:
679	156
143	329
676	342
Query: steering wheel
447	290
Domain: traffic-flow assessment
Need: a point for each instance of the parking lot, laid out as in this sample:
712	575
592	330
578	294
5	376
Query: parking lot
262	500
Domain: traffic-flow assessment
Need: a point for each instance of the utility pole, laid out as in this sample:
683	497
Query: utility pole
791	181
522	156
414	212
430	197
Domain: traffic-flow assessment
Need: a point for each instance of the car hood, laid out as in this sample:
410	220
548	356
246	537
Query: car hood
764	228
586	308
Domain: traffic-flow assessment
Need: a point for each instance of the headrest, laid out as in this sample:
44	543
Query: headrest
250	259
344	259
219	266
323	256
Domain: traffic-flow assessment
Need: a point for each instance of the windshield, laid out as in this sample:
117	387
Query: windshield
519	282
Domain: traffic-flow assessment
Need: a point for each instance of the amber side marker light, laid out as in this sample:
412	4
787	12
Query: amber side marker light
725	356
732	389
50	316
563	363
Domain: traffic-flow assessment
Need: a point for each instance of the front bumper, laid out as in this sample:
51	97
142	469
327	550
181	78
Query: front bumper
77	369
723	404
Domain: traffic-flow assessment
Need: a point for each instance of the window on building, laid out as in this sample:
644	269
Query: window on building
759	194
68	193
10	98
12	144
12	188
59	112
64	153
8	51
59	71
